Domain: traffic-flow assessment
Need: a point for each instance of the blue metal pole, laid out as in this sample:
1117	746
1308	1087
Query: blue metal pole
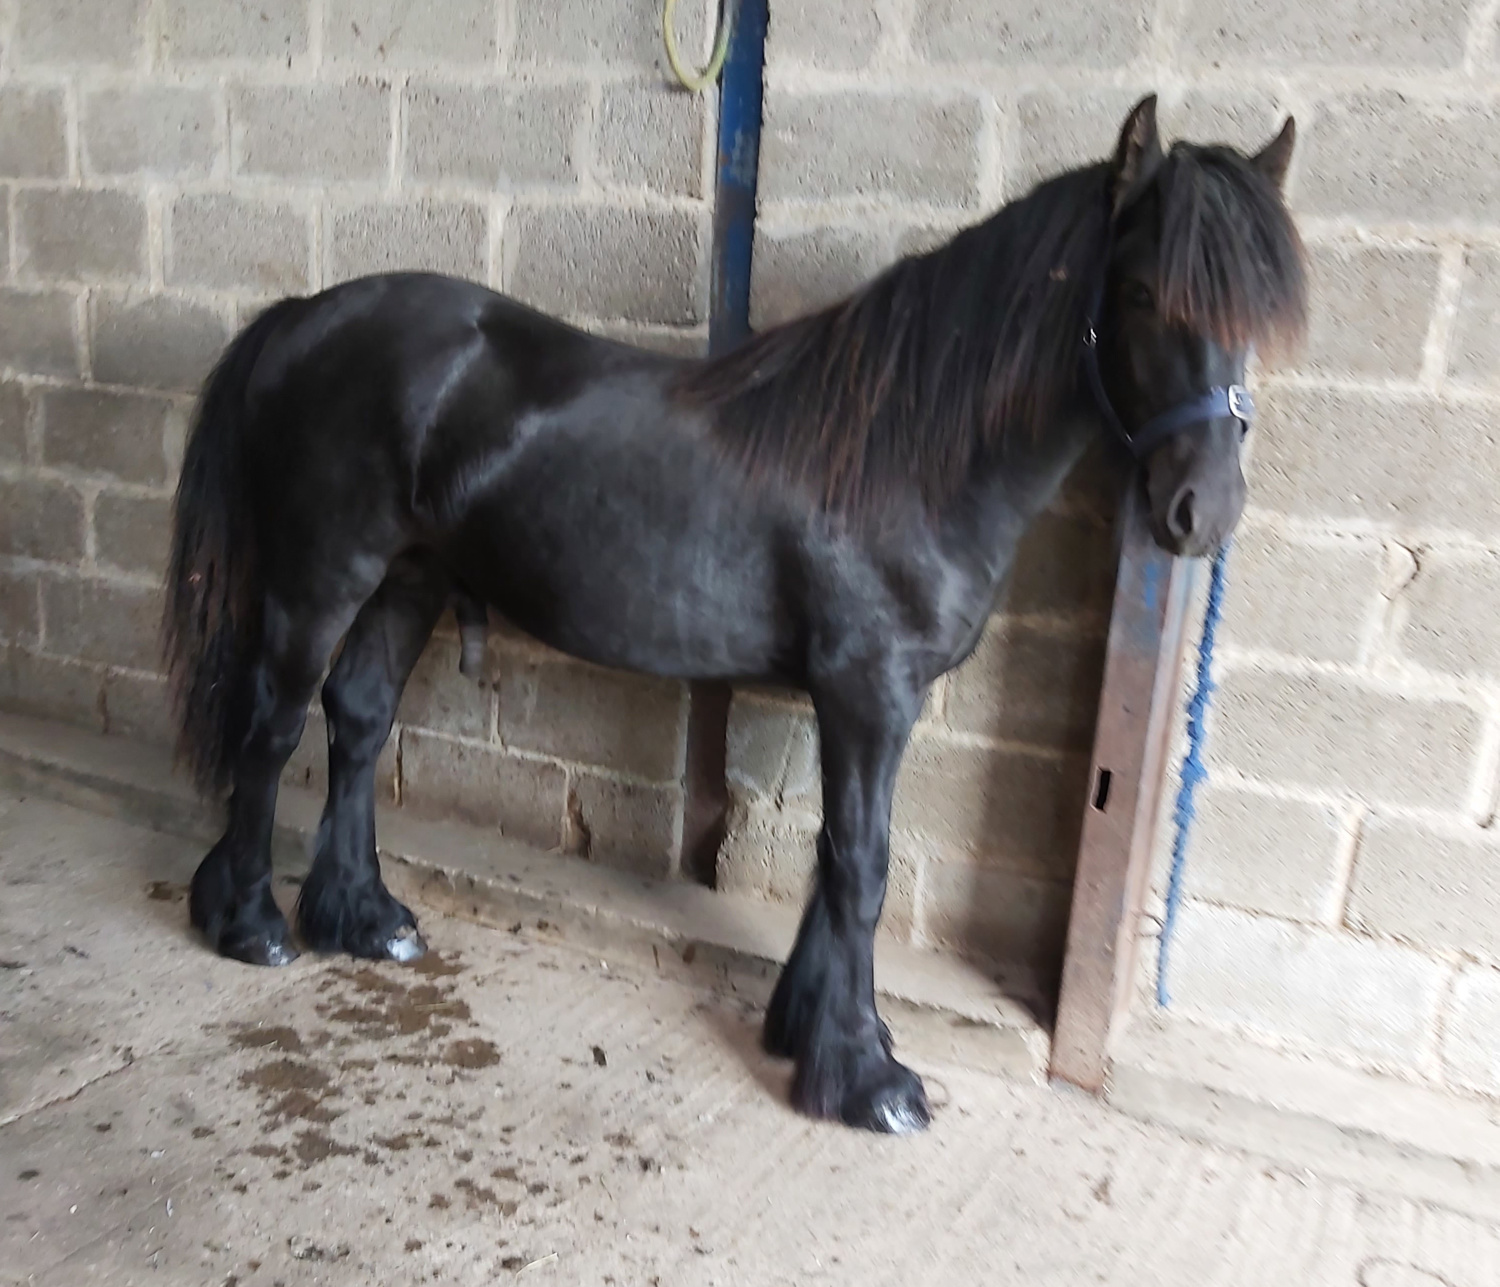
739	157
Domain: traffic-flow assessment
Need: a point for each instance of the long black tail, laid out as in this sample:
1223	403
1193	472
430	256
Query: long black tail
211	622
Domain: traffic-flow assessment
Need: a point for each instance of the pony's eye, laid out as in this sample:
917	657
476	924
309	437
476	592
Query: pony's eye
1137	295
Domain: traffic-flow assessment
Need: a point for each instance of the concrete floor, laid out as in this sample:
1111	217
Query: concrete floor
515	1107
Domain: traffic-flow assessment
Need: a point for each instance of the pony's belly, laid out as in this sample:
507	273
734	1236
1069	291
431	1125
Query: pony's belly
683	609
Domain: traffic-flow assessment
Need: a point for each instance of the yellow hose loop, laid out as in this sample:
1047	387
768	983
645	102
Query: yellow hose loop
690	79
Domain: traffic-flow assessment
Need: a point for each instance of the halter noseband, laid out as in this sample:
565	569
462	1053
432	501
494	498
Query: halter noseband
1214	404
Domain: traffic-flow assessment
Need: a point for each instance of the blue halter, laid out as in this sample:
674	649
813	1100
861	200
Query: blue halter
1213	404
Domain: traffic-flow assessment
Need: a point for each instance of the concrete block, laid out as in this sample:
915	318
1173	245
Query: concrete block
1404	461
919	238
108	622
37	333
318	133
607	262
801	271
67	234
231	243
1002	808
78	31
20	616
1247	119
15	417
308	767
155	341
593	716
398	33
1302	598
40	519
1261	854
1382	155
650	136
837	34
243	30
625	825
1332	734
1436	891
138	707
772	755
1024	684
1073	34
996	915
1377	1001
95	432
621	34
1471	1034
1056	130
437	236
758	744
161	131
774	856
1286	33
33	132
494	136
1064	568
1474	357
922	148
1369	309
1450	614
51	688
437	697
524	799
132	533
673	341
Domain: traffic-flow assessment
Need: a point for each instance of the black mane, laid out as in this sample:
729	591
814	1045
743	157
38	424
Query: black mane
945	353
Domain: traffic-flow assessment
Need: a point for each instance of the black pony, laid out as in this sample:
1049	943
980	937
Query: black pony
833	506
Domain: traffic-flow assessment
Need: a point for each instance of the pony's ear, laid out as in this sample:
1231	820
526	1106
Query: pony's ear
1137	154
1275	159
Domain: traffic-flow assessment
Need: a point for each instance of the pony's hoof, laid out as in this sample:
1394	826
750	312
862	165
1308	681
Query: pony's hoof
367	923
862	1087
895	1107
406	945
258	949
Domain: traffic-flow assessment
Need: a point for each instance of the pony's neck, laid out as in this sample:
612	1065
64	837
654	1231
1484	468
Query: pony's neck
1010	487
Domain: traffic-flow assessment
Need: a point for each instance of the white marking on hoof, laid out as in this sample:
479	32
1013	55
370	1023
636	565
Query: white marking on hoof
280	954
407	945
900	1118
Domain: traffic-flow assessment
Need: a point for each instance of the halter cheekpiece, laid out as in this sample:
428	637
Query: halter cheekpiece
1213	404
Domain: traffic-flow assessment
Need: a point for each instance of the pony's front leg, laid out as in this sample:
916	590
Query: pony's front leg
822	1013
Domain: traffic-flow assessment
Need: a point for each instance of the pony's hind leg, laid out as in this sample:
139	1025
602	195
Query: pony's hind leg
822	1013
231	900
344	906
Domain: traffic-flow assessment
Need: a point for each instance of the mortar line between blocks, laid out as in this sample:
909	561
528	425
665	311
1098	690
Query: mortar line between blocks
1444	320
1346	856
156	238
1431	1062
1486	787
315	38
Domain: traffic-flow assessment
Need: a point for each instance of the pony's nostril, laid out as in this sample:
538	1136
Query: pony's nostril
1180	520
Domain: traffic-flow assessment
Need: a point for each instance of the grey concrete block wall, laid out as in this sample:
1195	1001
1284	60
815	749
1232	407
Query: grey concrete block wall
167	167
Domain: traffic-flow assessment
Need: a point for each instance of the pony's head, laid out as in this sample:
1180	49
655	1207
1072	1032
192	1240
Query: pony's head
1202	265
